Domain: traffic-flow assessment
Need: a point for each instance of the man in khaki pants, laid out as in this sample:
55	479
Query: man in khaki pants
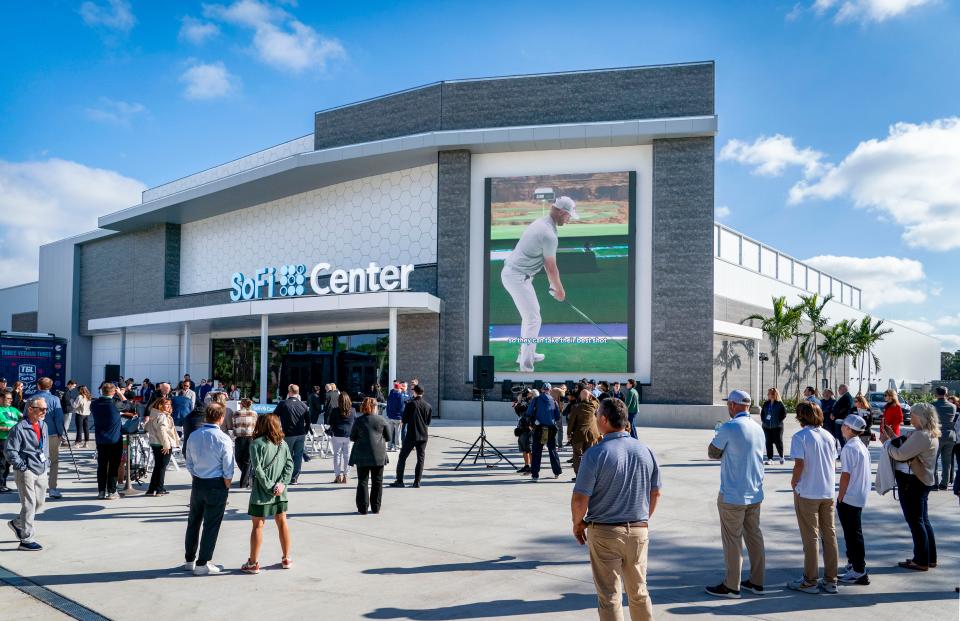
616	511
739	443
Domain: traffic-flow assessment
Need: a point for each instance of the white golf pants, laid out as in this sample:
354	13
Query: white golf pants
520	288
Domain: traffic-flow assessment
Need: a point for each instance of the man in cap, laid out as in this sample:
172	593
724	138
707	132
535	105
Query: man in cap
739	444
544	417
535	250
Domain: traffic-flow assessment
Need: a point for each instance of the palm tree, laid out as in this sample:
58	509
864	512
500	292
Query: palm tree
811	307
865	336
779	327
837	343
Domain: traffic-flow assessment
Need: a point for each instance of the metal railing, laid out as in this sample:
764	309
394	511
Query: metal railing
735	247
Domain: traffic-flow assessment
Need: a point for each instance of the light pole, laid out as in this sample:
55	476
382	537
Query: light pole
763	358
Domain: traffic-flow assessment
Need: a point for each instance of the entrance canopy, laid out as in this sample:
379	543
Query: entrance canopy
284	313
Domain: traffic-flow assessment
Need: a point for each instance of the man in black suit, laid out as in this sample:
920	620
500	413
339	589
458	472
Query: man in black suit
841	409
417	415
294	417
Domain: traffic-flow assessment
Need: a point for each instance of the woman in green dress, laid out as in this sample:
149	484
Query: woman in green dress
271	465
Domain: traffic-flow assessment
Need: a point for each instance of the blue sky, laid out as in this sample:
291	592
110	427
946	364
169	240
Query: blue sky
103	97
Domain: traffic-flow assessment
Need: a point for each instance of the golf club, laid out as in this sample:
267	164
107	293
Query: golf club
594	323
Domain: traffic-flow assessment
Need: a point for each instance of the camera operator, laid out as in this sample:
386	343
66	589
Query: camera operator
522	432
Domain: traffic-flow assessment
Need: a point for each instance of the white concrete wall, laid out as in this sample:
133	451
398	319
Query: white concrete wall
389	219
153	355
17	299
906	355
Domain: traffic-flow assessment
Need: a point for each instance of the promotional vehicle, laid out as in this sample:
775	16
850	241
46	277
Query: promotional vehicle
28	356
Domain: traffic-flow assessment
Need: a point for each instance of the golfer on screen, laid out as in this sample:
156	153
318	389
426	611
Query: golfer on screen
535	250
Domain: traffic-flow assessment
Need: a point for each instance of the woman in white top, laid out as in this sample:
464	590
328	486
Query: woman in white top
915	459
814	452
82	410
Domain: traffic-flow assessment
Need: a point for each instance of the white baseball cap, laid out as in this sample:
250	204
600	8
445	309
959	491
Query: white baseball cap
567	204
855	422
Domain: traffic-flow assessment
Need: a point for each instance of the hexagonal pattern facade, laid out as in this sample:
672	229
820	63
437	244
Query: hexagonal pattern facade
389	219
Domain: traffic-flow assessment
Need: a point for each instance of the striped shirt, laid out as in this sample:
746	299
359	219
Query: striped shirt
244	422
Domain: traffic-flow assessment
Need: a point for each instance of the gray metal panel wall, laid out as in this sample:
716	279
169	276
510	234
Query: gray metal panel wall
418	353
410	112
577	97
453	251
128	273
682	370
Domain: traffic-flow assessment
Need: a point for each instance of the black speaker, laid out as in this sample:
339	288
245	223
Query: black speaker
111	372
483	372
506	390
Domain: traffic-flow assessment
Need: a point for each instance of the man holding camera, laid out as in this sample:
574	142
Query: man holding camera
616	493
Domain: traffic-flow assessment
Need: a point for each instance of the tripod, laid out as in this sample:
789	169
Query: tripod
481	443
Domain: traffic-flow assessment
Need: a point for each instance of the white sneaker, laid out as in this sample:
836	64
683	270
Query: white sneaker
781	461
207	570
830	587
766	462
190	566
54	493
536	358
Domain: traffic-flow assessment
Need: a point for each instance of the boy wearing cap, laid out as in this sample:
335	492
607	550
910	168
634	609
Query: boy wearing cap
852	497
535	250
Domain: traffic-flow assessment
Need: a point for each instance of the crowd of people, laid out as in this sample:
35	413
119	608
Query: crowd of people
616	475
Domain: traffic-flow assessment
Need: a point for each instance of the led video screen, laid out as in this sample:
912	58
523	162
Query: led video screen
560	272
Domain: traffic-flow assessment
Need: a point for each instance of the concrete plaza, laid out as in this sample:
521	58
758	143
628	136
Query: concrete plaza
473	544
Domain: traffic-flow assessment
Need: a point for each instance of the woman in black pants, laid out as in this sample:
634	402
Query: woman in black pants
163	438
772	415
369	434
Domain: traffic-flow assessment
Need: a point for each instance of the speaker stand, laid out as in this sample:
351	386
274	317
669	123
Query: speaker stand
481	444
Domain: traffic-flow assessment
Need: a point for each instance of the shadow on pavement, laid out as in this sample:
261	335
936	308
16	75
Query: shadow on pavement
504	563
568	602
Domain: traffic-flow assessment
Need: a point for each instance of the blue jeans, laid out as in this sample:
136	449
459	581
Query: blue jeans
551	449
913	502
633	426
296	450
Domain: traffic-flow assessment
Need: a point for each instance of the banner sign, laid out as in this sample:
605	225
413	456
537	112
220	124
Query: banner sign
294	280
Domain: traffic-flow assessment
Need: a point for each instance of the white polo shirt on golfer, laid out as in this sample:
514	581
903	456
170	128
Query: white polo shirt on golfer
538	242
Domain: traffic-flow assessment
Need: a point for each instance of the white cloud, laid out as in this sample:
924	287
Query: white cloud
948	342
208	81
771	155
912	176
721	212
866	11
882	280
279	39
114	15
948	321
195	31
43	201
115	111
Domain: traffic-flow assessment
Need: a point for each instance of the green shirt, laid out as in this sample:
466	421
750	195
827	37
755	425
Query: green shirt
633	399
269	464
9	416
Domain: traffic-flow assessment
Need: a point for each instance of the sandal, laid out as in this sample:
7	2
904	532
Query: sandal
250	567
911	565
286	563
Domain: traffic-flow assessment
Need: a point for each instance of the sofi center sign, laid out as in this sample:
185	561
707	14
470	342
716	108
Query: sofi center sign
293	280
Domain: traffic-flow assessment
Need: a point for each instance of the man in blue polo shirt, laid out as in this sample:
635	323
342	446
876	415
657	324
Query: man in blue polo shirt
739	444
616	493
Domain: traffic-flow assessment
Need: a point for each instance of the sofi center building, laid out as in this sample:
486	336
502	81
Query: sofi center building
411	232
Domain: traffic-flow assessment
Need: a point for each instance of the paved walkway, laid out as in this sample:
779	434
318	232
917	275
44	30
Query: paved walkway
474	544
